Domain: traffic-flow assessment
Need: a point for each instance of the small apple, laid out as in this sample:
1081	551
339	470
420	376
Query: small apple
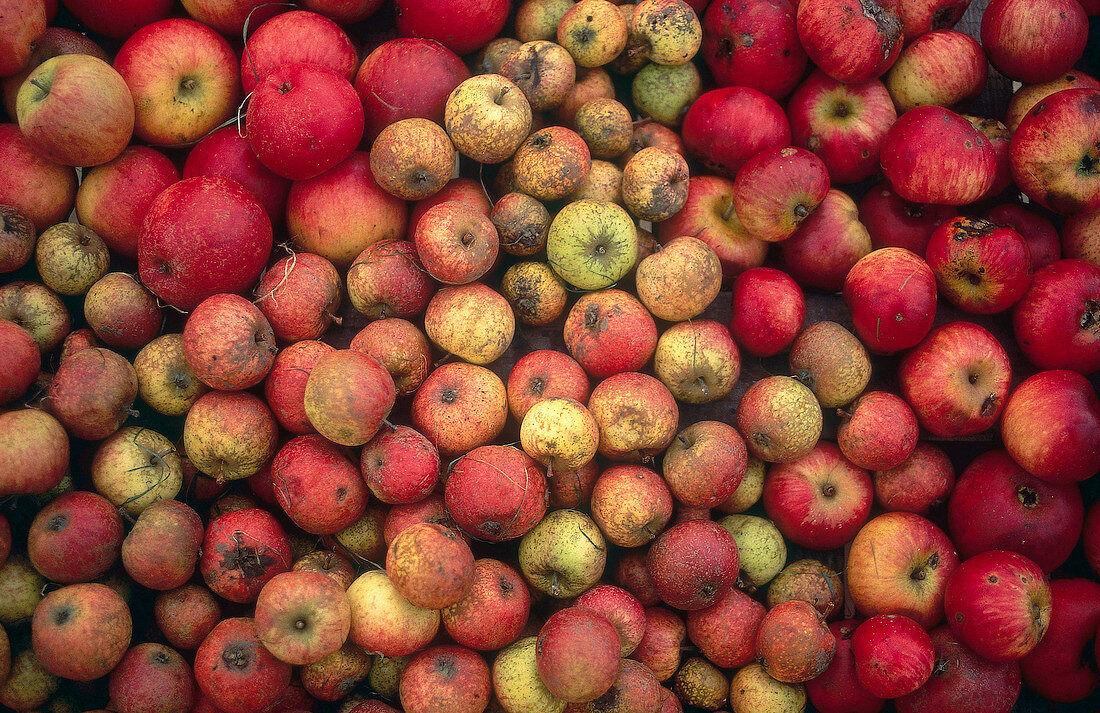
459	407
228	343
980	267
564	555
229	435
487	105
631	504
610	332
831	362
693	564
892	296
698	361
878	431
234	670
780	419
794	643
893	655
81	631
757	46
636	414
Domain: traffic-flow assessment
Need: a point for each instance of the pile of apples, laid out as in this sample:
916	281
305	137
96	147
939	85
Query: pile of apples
319	246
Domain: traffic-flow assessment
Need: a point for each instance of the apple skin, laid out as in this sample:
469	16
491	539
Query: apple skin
118	19
400	465
36	447
725	127
202	236
496	493
636	414
42	190
609	332
1052	44
300	297
162	548
632	574
956	380
942	67
768	311
932	155
286	132
621	608
961	677
708	215
59	543
22	24
837	689
228	343
183	77
892	296
997	505
430	565
819	501
1050	426
852	41
76	110
693	564
893	655
577	654
81	631
878	431
922	16
661	643
893	221
793	642
780	419
1055	322
241	551
899	563
1053	149
755	46
401	347
226	153
776	189
924	479
407	78
348	395
1059	667
1090	538
461	26
52	42
92	393
152	677
725	632
456	242
495	610
318	486
296	36
284	387
980	267
388	280
21	361
459	407
844	124
445	678
234	670
827	244
631	505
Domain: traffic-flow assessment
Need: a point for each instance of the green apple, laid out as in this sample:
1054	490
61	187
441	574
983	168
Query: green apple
760	546
564	554
517	684
592	244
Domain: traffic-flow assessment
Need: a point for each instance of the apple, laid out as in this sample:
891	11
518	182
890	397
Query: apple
92	393
456	242
496	493
202	236
852	41
1021	55
75	341
60	537
538	19
942	67
284	387
761	549
655	183
122	313
893	221
697	360
412	159
899	563
998	603
81	631
36	446
756	46
241	551
17	239
646	134
404	78
544	71
1058	172
837	689
827	244
661	642
516	683
471	321
810	581
727	126
348	395
401	347
459	407
400	465
1062	306
162	548
779	419
235	671
831	362
330	563
117	19
564	555
365	540
606	127
225	152
1049	427
318	486
793	642
892	297
693	564
893	655
1059	668
23	23
521	222
22	361
76	110
387	279
819	500
1079	239
300	296
1000	138
494	611
923	480
23	587
152	676
445	678
619	607
336	675
636	414
183	77
631	504
229	435
752	689
768	310
38	310
577	654
29	684
286	132
574	488
878	431
228	343
932	155
487	105
462	27
980	267
559	433
296	36
705	463
725	632
463	190
610	332
52	42
1028	95
70	258
997	505
535	292
43	191
594	33
776	189
960	675
229	17
430	565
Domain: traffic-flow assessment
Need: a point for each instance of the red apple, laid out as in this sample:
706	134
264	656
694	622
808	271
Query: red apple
631	504
401	347
577	654
1060	667
725	632
776	189
348	396
1079	238
118	19
162	548
980	267
202	236
663	638
400	465
494	611
1057	321
22	24
228	343
893	655
705	464
1027	96
456	242
37	187
1050	426
236	672
229	16
852	41
620	607
241	551
693	564
899	563
76	538
388	280
1000	138
444	679
837	689
21	361
924	479
767	313
318	486
459	407
755	45
52	42
545	374
496	493
300	296
793	642
893	221
878	431
932	155
725	127
184	80
942	67
92	393
296	36
998	603
921	16
152	677
892	296
961	677
226	153
609	332
1054	40
827	244
430	565
462	26
81	631
36	447
287	132
345	12
284	388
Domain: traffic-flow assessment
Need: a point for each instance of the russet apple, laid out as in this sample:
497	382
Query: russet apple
412	159
631	504
831	362
229	435
70	258
92	393
81	631
135	468
560	433
779	419
459	407
471	321
794	643
487	118
37	309
812	582
430	565
535	291
636	414
161	550
697	360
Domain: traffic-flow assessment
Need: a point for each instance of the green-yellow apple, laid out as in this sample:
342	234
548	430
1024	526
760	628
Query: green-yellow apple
564	554
385	622
517	684
472	321
592	244
760	547
560	433
136	467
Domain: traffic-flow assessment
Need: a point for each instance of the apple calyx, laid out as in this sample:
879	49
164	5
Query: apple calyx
920	573
1088	166
1090	318
1027	497
237	656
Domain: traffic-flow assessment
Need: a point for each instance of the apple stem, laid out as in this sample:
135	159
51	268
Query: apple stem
728	211
44	89
703	386
389	424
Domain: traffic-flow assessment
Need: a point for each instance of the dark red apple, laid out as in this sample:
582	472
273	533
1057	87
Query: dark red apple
837	689
400	465
496	493
1057	321
118	19
793	642
693	564
444	679
980	267
387	279
296	36
76	538
893	655
300	296
609	332
21	361
318	486
236	672
461	26
893	221
241	551
892	296
961	677
852	41
1061	667
754	44
768	311
1034	41
725	127
151	677
226	153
